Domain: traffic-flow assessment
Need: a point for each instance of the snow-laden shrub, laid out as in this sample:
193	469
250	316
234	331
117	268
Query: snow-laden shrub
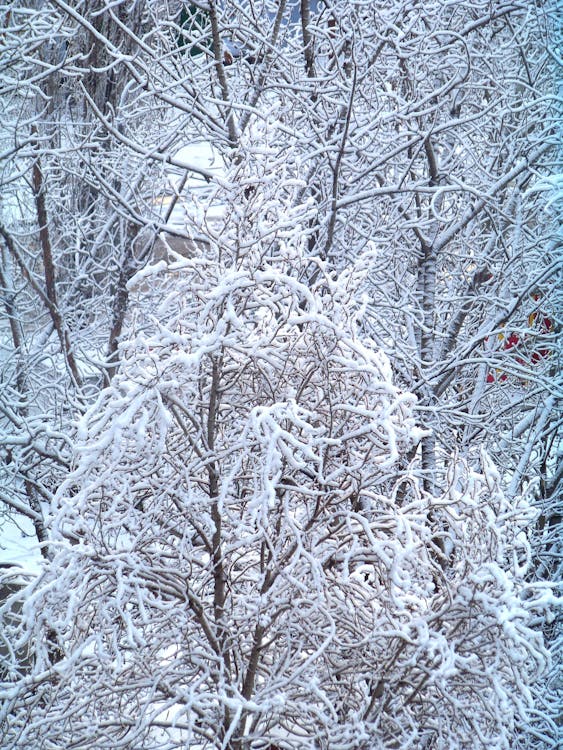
246	558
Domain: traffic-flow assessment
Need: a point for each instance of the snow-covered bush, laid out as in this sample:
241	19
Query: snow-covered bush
246	558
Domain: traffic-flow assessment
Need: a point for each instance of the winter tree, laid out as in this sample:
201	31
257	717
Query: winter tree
264	476
242	560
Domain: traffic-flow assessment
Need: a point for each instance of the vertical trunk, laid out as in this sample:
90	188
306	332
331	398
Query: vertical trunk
427	296
49	271
219	573
121	302
308	50
221	75
427	292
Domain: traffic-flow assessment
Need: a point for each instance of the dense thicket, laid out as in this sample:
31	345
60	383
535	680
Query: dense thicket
301	488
